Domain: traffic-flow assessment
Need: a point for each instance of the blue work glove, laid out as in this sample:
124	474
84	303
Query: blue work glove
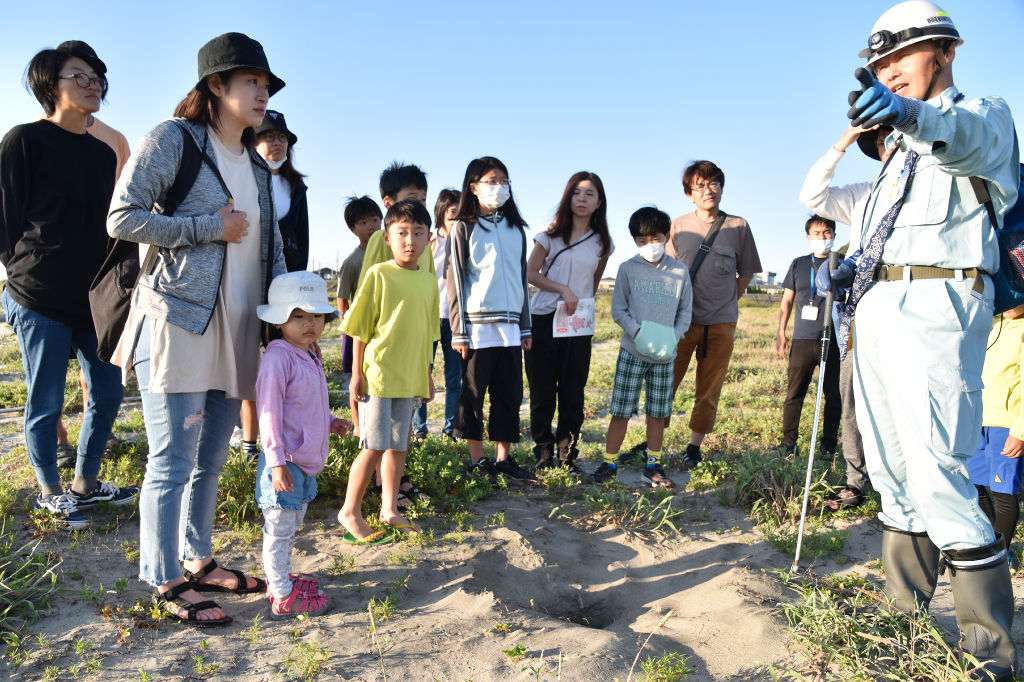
840	278
874	104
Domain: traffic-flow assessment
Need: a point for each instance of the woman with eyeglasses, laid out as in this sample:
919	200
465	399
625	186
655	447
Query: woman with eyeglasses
489	313
274	142
55	186
193	335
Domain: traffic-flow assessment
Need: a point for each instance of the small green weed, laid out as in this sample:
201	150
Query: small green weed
669	668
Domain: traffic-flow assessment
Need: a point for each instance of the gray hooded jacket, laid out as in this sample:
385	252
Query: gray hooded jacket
182	288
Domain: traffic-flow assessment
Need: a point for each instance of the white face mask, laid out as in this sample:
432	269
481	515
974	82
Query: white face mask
274	165
822	245
492	197
653	252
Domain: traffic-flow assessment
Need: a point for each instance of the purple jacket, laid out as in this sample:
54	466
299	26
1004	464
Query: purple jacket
291	400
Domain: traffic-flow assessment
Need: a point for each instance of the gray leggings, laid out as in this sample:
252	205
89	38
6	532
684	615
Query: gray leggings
279	528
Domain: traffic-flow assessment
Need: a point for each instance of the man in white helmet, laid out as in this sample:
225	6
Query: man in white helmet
923	300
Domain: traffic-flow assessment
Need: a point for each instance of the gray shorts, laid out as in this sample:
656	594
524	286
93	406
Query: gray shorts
384	423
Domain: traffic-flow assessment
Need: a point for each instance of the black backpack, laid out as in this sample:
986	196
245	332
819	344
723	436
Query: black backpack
110	293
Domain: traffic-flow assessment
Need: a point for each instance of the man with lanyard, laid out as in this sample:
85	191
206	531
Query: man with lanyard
923	300
805	352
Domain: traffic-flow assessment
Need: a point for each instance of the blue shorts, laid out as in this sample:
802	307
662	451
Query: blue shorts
989	468
303	487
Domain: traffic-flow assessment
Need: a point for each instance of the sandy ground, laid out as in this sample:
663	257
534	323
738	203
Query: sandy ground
588	597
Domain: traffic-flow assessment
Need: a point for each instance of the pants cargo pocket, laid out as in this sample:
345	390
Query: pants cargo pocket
954	399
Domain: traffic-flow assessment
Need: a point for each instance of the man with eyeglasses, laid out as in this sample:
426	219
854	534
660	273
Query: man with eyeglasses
719	277
922	295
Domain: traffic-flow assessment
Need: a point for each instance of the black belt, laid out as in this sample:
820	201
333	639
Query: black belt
894	273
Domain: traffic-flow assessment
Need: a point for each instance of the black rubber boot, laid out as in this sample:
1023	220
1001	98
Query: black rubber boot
567	453
545	454
911	563
983	598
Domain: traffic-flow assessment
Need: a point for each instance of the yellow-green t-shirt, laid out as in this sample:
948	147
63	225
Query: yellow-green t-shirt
396	316
378	251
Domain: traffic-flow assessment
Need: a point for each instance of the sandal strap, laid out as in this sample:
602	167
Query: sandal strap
201	573
173	593
173	596
194	609
241	582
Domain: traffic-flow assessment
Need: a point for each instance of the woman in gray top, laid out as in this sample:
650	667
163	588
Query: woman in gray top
193	334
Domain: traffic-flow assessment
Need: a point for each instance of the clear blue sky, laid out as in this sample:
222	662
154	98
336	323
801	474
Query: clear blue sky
631	91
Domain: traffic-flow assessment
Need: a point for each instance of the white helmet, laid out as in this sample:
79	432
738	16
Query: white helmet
905	24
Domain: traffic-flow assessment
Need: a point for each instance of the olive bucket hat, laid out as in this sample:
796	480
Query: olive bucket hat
235	51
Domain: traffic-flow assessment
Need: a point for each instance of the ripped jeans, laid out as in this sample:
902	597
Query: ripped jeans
188	437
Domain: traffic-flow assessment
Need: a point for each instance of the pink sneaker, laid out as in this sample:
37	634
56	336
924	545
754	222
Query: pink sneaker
297	603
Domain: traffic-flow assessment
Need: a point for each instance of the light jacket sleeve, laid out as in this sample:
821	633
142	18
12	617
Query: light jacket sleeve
834	203
525	321
620	304
685	309
457	250
271	387
147	176
976	138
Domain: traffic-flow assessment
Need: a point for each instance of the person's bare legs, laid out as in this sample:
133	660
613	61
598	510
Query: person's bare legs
476	450
502	450
616	433
62	433
392	467
351	515
656	433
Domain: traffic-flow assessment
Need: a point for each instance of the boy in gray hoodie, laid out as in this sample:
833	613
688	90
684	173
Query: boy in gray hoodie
651	303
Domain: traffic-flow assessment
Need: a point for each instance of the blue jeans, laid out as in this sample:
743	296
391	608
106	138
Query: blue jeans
188	444
45	348
452	385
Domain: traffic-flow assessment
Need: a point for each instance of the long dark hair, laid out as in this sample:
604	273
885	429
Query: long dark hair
288	172
446	199
202	107
562	226
469	205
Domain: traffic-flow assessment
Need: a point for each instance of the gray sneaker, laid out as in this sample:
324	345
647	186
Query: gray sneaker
65	508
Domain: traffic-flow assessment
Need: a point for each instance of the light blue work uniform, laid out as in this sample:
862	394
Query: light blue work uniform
919	346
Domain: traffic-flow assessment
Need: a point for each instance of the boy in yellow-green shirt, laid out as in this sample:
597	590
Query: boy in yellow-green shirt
393	323
996	469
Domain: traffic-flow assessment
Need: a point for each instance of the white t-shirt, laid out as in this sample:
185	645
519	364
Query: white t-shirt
575	267
439	268
282	195
226	357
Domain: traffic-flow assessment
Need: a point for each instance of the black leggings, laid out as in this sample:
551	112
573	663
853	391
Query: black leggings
1002	509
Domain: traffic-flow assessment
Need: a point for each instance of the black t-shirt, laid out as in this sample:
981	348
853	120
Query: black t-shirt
800	281
55	189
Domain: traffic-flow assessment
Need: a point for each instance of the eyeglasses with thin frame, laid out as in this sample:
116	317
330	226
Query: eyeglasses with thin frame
84	80
495	183
713	186
270	136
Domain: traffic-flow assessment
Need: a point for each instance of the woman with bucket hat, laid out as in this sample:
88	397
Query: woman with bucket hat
193	335
274	142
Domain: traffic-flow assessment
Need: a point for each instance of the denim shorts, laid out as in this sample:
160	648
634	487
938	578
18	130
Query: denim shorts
303	487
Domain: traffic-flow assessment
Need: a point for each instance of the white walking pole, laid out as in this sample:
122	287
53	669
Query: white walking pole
826	334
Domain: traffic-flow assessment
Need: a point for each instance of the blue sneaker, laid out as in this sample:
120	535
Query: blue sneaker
65	508
105	492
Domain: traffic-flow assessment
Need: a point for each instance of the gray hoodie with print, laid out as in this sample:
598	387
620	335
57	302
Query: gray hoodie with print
183	285
655	293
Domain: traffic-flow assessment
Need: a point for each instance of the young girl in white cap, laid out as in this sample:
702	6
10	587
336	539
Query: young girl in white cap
295	423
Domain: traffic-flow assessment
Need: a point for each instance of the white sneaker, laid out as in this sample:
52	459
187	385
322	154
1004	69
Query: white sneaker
65	508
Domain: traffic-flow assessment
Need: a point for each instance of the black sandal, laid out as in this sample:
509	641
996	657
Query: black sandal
173	596
241	586
413	493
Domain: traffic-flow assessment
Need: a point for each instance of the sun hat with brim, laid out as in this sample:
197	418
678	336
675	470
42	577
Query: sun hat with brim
235	51
868	141
303	290
274	120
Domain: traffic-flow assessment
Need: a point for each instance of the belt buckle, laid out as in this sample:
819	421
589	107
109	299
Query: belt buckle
882	272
